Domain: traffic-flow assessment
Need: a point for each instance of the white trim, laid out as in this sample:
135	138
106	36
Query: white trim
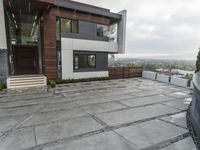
3	43
88	45
122	31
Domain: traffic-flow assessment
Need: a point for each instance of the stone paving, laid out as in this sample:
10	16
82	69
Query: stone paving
125	114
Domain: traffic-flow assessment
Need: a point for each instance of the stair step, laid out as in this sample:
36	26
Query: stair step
37	78
26	81
41	80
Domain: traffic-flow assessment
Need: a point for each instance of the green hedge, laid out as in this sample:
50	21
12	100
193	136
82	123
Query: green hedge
53	83
2	86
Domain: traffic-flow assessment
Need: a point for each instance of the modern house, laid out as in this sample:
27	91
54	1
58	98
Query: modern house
56	39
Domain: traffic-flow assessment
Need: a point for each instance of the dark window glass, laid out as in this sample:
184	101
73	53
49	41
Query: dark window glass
102	30
68	25
75	26
76	62
58	29
91	61
65	25
84	61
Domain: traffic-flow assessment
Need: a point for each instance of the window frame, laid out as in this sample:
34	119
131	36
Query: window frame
71	31
88	66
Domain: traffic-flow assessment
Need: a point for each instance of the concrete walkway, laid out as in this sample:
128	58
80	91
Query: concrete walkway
125	114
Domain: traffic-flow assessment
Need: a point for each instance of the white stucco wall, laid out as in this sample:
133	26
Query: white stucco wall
122	31
67	47
3	44
163	78
149	75
179	82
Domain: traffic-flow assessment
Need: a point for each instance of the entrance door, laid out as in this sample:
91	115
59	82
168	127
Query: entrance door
25	59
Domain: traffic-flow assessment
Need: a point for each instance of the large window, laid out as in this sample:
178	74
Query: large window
68	25
82	61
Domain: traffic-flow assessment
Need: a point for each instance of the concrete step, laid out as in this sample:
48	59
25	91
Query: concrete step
28	81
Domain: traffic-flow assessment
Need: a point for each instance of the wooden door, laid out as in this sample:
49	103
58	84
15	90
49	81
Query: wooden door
25	59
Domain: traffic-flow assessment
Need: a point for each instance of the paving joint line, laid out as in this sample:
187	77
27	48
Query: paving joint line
172	123
168	142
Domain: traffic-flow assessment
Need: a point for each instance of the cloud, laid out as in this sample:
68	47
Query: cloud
159	26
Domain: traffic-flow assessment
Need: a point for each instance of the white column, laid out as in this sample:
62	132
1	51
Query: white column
3	44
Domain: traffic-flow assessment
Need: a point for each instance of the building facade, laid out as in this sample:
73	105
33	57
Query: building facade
60	39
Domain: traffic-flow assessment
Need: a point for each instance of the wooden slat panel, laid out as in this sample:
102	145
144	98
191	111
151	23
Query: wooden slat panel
49	35
125	72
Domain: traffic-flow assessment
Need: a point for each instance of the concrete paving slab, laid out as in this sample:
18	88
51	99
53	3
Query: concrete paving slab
103	141
79	96
185	144
119	97
48	117
103	107
18	111
150	92
118	92
181	104
180	94
72	127
25	97
21	103
7	123
150	133
58	106
135	114
178	119
92	101
21	139
146	100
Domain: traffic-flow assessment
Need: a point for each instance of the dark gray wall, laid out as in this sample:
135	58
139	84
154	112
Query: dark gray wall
101	61
3	65
87	31
195	110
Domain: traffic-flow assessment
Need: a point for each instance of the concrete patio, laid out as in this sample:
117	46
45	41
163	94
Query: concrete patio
125	114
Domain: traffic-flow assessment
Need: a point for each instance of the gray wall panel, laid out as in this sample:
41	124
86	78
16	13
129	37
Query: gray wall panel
87	31
3	66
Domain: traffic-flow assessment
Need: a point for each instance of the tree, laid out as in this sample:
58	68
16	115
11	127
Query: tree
198	62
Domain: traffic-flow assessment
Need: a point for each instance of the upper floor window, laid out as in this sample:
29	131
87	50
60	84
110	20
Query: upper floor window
68	25
102	30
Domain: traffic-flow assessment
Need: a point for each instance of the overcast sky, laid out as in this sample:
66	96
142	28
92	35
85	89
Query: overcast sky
161	28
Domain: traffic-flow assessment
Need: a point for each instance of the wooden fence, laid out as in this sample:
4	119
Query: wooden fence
125	72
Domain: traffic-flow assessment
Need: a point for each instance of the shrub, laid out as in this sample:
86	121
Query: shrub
52	83
198	62
2	86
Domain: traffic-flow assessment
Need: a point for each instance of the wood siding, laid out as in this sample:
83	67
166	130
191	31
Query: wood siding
49	37
125	72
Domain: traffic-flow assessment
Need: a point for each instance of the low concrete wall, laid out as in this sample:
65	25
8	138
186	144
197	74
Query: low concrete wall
163	78
167	79
195	110
149	75
179	82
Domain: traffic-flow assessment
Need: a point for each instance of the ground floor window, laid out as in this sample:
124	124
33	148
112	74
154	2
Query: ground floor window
83	61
